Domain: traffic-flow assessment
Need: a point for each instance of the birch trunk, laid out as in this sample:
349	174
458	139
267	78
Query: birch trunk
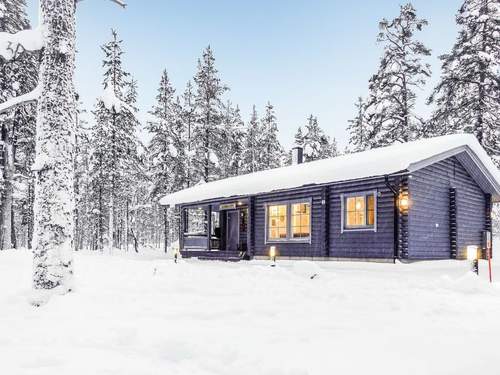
55	142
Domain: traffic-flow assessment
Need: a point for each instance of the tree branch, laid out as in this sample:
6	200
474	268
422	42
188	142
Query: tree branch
18	100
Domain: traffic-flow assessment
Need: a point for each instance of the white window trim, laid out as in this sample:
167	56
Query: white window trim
289	238
343	213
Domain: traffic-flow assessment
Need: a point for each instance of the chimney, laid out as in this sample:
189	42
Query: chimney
297	155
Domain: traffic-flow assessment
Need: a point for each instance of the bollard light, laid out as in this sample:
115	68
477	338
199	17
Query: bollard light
473	256
272	255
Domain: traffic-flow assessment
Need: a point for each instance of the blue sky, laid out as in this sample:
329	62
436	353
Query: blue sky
303	56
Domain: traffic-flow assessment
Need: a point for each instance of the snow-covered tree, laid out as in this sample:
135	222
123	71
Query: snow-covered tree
358	129
299	138
114	139
160	146
18	76
468	94
252	146
316	143
189	119
179	140
82	162
390	109
271	149
208	100
232	135
55	137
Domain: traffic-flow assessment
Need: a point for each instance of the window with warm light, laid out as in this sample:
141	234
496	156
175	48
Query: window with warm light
277	222
289	221
359	211
301	220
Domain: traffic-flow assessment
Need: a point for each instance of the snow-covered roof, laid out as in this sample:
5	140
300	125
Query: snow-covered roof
382	161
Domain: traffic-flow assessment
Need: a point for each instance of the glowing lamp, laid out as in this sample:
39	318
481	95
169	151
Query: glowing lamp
404	202
472	252
358	206
272	254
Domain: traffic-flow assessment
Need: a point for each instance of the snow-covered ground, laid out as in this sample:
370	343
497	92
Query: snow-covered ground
147	315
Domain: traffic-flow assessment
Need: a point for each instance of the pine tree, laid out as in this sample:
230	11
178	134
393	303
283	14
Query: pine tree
83	149
18	76
391	103
237	143
159	149
251	151
115	141
208	99
178	135
358	129
315	142
467	96
230	141
56	110
189	119
299	138
271	152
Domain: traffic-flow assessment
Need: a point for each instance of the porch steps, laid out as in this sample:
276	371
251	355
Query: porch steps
226	256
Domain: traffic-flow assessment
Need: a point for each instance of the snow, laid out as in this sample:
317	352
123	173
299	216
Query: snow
112	102
29	97
375	162
29	40
139	315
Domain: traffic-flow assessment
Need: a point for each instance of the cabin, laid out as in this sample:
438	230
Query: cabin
422	200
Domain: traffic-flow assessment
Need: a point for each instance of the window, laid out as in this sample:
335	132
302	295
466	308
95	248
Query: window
289	221
277	222
359	211
301	218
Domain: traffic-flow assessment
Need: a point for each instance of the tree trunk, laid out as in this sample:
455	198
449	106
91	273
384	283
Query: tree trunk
126	225
110	222
55	142
8	174
165	228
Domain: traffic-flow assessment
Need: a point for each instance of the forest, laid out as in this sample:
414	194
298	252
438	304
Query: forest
197	134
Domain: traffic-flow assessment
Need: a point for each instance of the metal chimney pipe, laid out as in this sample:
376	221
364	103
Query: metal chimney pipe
297	155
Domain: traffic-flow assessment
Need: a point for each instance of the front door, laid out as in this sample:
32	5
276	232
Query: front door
233	230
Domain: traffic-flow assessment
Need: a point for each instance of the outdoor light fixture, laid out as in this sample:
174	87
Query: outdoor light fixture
272	255
404	202
473	255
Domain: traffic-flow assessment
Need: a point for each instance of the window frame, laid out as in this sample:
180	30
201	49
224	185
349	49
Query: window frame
289	238
343	210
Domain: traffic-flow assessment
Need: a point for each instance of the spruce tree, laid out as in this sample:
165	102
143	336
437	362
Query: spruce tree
159	149
252	147
390	107
208	99
316	143
230	141
114	138
189	119
237	143
271	149
358	129
299	137
18	75
467	95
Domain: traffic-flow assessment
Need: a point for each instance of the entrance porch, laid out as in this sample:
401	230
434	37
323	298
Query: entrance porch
216	231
